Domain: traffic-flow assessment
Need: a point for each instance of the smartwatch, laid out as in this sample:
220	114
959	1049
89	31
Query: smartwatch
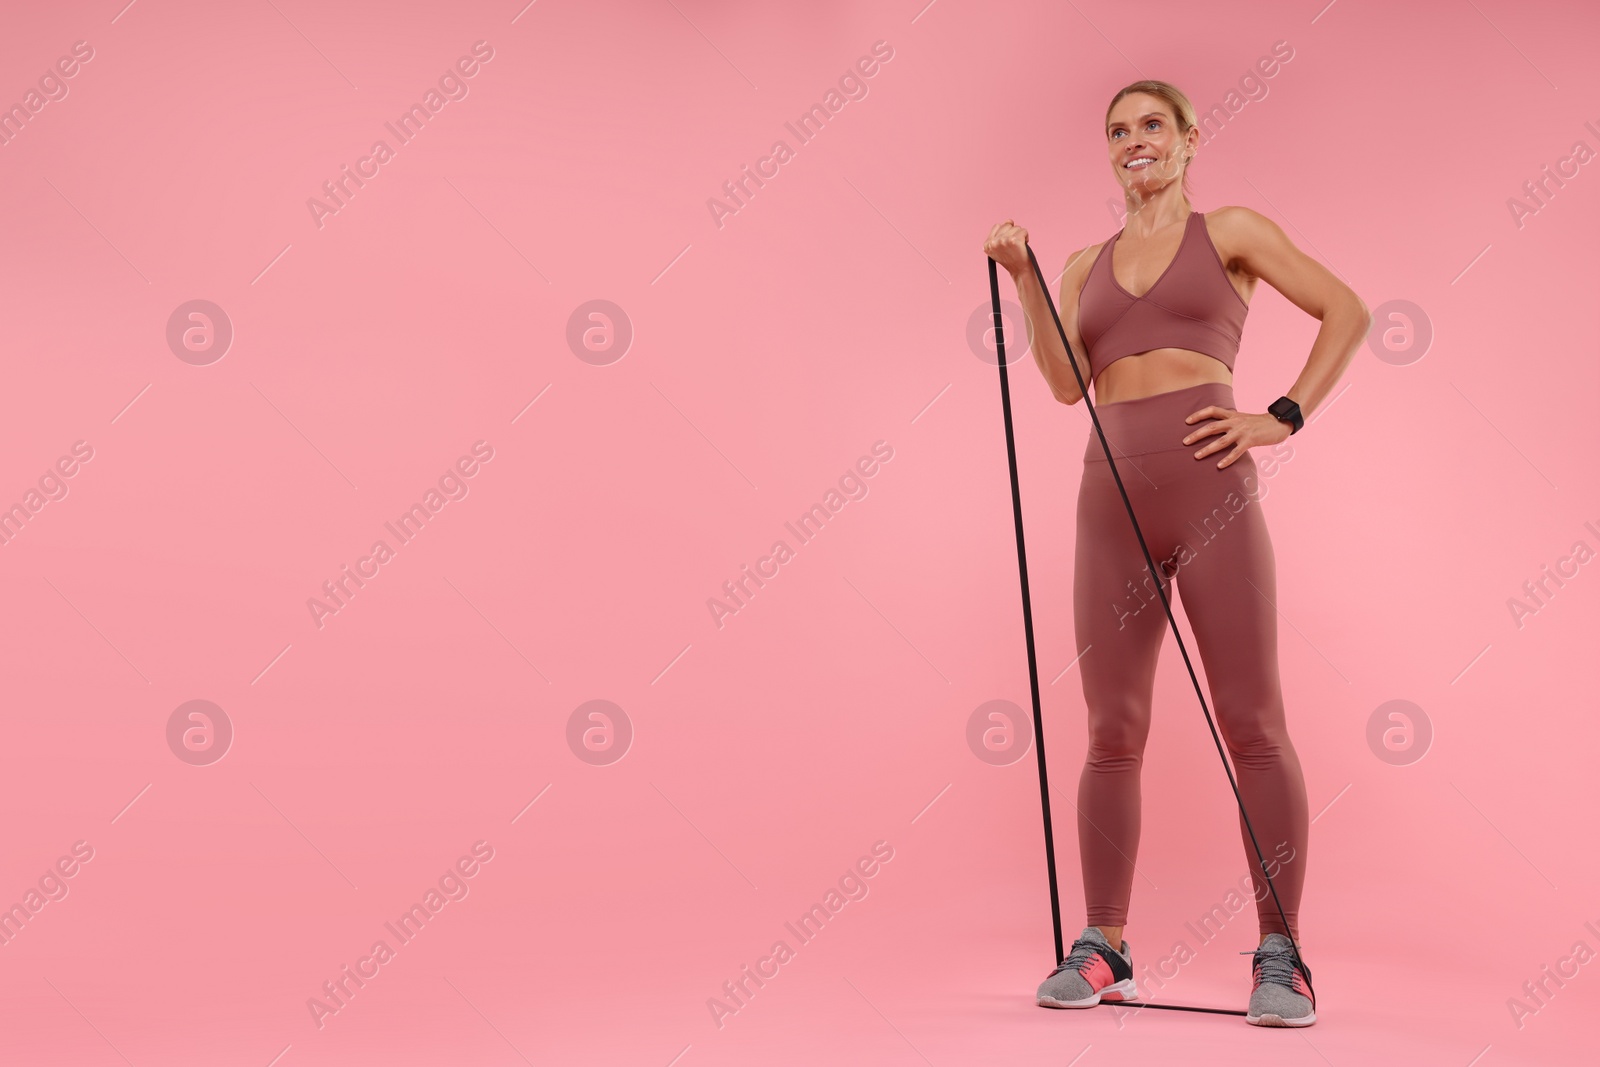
1288	411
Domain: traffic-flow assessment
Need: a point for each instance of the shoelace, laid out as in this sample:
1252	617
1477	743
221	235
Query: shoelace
1082	949
1274	965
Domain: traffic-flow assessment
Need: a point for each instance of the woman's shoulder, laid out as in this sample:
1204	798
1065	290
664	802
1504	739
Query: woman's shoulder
1237	231
1238	222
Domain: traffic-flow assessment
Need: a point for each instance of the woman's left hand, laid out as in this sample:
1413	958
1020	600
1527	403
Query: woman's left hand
1240	430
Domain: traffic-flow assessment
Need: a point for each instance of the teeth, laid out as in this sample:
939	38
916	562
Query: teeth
1139	163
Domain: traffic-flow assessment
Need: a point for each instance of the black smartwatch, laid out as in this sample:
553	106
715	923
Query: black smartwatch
1288	411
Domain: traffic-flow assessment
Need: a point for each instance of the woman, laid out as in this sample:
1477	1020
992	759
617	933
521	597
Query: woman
1172	288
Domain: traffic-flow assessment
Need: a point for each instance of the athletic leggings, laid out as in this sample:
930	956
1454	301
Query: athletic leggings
1206	532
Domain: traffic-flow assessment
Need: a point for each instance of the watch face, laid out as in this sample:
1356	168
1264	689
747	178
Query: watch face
1286	410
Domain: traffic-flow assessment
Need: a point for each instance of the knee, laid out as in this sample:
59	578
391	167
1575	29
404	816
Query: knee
1118	736
1255	740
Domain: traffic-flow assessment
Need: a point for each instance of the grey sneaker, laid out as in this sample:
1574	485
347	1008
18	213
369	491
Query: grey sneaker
1282	993
1092	970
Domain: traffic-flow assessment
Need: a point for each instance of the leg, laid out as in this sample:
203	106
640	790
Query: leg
1227	581
1119	626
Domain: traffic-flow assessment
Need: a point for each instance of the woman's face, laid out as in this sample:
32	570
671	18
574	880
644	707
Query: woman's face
1141	128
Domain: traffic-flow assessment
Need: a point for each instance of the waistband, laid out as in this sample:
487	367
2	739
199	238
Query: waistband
1154	423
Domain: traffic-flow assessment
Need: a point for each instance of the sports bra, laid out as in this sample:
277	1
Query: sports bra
1192	305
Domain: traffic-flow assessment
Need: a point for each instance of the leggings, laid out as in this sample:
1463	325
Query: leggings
1206	532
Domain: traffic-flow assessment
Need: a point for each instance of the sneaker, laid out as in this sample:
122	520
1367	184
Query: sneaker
1282	993
1092	971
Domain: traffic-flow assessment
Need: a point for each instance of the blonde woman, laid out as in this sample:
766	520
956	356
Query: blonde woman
1154	316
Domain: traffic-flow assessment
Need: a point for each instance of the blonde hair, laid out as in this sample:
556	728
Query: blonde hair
1182	110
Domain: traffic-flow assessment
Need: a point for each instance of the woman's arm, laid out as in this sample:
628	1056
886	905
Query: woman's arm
1259	247
1007	245
1047	350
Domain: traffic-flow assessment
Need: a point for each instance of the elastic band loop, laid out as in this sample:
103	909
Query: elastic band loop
1027	619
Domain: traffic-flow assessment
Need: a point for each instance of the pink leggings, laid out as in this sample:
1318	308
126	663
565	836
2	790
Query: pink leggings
1205	530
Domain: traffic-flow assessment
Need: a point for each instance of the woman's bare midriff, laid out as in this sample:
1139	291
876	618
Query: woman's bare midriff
1161	370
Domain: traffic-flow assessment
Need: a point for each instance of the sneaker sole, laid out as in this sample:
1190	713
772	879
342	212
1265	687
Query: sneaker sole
1270	1019
1116	991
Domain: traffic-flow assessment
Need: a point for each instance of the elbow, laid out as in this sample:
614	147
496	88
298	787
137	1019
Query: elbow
1363	319
1360	313
1345	307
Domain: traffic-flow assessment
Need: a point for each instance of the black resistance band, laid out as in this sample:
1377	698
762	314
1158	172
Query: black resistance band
1027	625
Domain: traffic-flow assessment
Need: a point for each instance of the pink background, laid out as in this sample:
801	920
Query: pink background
768	354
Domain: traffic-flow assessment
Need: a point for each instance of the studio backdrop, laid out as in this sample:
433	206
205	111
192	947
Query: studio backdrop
508	546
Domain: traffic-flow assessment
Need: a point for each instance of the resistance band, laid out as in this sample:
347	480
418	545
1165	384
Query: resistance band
1027	625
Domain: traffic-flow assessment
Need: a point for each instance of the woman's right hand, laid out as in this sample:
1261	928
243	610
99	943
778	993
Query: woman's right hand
1008	246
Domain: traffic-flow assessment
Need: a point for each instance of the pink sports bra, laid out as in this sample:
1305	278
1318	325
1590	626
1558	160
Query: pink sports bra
1192	305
